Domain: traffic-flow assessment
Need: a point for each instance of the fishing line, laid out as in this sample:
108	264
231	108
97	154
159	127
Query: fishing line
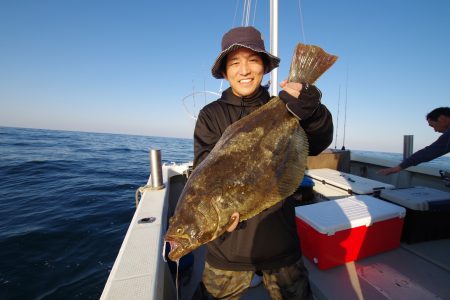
194	113
204	88
235	13
178	266
337	118
244	12
247	15
254	13
193	94
301	20
345	110
164	252
176	280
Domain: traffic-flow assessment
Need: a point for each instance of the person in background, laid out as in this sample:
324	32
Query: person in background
439	120
268	243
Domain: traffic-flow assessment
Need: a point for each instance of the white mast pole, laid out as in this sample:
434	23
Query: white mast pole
274	45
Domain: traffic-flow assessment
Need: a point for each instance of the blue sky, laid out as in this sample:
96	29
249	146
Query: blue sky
125	66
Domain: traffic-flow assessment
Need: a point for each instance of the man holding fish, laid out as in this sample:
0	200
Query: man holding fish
266	243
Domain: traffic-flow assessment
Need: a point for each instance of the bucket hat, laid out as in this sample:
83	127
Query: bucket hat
243	37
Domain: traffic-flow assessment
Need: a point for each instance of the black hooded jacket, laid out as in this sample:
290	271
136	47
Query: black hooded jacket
268	240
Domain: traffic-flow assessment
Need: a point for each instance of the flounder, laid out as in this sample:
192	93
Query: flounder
259	161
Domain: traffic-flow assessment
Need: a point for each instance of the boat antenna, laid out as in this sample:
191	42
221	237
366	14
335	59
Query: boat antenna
345	110
337	118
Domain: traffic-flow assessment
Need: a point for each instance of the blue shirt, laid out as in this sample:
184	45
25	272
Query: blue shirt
440	147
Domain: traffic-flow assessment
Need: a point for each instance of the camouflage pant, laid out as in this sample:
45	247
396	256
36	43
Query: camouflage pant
289	282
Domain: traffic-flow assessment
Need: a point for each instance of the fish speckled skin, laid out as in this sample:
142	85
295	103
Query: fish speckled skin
258	161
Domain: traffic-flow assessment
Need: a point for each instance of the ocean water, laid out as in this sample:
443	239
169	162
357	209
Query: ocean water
66	200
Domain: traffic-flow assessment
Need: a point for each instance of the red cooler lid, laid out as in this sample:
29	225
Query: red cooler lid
335	215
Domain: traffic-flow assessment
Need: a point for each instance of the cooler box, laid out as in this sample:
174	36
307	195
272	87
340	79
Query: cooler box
338	231
333	184
427	212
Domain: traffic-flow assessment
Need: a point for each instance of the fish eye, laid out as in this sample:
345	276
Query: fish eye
180	230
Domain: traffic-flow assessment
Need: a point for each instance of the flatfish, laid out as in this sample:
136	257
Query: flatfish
259	161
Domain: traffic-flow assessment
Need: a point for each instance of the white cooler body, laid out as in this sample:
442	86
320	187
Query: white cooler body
427	212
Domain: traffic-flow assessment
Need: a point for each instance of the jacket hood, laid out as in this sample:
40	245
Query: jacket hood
259	98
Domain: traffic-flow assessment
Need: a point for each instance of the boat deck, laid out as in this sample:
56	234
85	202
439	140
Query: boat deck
416	271
411	271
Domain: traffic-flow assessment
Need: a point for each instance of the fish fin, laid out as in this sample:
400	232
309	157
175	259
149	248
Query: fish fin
295	164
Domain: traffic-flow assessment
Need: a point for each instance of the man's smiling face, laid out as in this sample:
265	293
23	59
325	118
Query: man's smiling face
244	70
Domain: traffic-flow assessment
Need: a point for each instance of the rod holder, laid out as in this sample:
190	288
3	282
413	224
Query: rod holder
156	169
407	145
